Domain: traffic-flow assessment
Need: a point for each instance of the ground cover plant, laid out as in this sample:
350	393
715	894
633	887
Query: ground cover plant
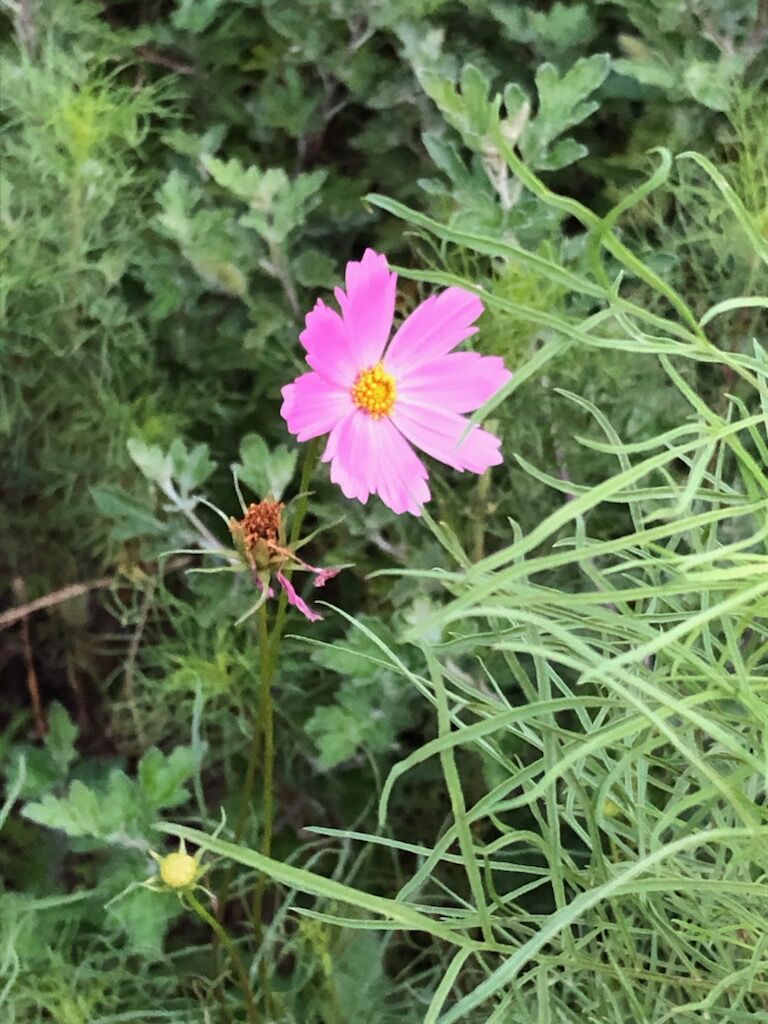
396	653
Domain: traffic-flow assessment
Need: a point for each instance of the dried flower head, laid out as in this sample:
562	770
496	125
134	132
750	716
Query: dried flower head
259	538
263	520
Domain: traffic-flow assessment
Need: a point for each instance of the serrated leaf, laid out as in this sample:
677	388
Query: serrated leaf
250	184
195	15
178	199
277	204
475	89
292	106
163	778
710	83
515	100
315	269
357	655
562	104
562	99
144	916
86	812
191	467
561	154
340	730
445	156
468	108
61	736
77	814
151	460
370	704
268	318
359	975
648	71
564	26
220	275
131	519
264	470
32	771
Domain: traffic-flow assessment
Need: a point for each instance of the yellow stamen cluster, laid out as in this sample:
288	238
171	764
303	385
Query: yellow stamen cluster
374	391
178	870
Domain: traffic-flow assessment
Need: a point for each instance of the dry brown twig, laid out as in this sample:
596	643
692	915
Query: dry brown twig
19	590
14	615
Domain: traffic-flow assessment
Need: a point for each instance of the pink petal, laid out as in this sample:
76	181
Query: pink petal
433	329
369	456
402	484
319	576
460	382
329	349
368	307
295	600
312	406
350	460
438	432
335	436
322	576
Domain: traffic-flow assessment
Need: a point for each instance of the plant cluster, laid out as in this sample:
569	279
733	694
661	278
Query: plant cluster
516	772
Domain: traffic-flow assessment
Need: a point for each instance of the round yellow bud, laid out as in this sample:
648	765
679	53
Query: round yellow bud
178	870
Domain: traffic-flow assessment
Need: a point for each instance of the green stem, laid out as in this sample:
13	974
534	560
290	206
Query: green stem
267	723
255	747
269	648
310	460
237	963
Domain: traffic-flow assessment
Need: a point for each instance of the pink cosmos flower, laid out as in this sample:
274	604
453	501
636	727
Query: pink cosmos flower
375	400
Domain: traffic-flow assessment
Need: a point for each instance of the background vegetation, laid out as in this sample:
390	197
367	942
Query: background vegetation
522	761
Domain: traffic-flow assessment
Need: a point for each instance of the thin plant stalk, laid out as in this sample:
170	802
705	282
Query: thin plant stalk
267	730
237	962
270	648
262	740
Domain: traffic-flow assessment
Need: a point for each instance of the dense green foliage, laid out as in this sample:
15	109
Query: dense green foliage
520	765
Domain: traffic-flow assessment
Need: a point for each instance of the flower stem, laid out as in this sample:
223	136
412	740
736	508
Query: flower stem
237	963
267	723
255	747
269	649
310	460
262	739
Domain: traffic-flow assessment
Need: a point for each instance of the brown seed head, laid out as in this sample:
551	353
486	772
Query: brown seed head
262	521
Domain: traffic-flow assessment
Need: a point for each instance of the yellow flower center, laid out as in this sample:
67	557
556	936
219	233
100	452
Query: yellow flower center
374	391
178	870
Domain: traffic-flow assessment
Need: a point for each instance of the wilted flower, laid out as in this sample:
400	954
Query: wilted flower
259	538
372	399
